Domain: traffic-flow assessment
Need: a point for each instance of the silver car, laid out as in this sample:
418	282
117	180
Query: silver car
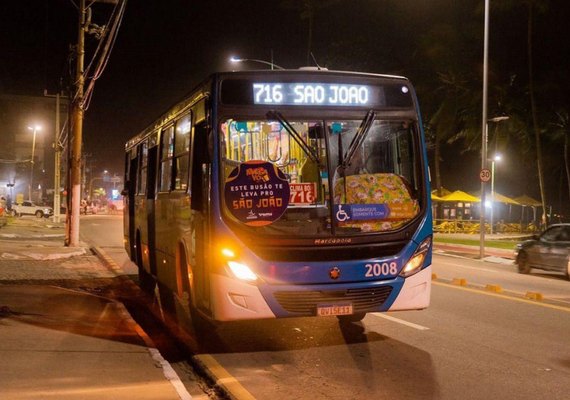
549	251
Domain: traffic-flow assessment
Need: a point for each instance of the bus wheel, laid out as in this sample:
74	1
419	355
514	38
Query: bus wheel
347	319
146	280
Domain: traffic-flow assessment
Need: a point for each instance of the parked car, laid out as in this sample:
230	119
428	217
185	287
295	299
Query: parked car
550	251
29	208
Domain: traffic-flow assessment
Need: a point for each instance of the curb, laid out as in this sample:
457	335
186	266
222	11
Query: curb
205	366
169	372
473	250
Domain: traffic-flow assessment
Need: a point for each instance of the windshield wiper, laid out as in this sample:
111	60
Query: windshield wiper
311	153
358	139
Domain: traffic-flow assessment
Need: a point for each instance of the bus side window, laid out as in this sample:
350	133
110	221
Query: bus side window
166	153
181	152
200	156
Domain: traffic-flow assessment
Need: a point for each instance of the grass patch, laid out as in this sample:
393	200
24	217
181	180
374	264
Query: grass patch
499	244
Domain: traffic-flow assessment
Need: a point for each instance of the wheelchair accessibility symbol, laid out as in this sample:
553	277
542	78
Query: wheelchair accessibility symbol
341	215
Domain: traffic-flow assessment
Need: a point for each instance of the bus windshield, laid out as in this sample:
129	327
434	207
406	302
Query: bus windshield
320	178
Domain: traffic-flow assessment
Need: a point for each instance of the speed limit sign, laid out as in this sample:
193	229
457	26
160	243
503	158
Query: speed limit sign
485	175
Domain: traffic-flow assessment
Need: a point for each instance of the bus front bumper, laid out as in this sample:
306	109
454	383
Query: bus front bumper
237	300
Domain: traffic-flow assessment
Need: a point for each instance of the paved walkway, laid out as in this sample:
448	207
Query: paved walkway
473	251
57	343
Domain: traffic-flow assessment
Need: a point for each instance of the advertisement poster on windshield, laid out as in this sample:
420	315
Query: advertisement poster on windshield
303	194
257	193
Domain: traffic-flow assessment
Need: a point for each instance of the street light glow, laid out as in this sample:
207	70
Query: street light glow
499	119
234	59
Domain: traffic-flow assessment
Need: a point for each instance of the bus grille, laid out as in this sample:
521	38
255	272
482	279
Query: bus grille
327	253
305	302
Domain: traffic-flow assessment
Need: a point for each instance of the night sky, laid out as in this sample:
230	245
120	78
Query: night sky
165	47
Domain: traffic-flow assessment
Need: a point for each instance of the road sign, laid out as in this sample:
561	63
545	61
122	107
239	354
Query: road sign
485	175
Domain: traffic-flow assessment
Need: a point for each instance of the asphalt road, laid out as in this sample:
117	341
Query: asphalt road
471	343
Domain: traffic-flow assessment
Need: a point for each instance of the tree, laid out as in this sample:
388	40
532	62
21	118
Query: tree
562	131
308	9
532	7
448	99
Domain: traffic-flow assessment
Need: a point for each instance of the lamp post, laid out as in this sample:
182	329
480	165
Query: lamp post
271	64
484	131
494	159
35	129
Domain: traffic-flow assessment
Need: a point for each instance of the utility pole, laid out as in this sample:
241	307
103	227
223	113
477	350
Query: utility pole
77	133
57	171
58	148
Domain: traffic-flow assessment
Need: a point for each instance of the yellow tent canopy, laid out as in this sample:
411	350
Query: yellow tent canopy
499	198
459	195
525	200
444	192
434	197
504	199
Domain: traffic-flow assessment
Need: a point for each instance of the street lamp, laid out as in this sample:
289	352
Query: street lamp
35	129
493	160
271	64
484	131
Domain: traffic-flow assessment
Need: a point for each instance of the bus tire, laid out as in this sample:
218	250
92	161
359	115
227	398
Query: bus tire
347	319
199	323
146	281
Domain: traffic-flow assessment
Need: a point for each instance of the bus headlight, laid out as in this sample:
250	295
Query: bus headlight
417	260
242	271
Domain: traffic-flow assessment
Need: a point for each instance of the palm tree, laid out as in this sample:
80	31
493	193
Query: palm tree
445	121
562	131
308	9
532	6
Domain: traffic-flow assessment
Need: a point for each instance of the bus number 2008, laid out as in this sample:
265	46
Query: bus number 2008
383	269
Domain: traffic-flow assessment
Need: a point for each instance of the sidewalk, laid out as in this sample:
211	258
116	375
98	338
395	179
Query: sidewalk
57	343
473	251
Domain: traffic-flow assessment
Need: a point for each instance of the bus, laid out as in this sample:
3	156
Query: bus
283	193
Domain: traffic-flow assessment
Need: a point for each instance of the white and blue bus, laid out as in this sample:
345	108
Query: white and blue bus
283	193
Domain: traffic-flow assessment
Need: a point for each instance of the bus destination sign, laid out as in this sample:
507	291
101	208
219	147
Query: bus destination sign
313	94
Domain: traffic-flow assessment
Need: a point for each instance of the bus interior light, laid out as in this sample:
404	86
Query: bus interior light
416	262
242	271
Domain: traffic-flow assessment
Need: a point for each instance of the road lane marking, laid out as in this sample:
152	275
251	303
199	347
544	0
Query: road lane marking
223	378
400	321
503	296
170	374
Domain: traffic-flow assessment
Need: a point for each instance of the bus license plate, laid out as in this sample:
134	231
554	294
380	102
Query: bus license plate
329	310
